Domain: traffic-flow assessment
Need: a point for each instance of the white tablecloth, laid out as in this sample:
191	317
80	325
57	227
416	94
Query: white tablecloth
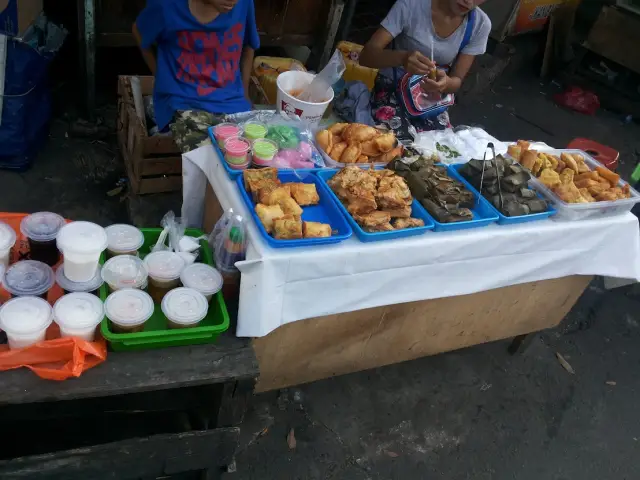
286	285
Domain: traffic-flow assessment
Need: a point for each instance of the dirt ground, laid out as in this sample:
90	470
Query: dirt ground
474	414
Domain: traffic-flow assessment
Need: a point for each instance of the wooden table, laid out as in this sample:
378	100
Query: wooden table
146	414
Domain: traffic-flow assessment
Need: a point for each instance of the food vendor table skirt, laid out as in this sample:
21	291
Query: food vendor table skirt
284	286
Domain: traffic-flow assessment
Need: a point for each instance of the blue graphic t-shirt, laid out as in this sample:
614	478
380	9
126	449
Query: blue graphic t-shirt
198	64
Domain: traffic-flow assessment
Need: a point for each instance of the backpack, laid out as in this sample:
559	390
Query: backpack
409	92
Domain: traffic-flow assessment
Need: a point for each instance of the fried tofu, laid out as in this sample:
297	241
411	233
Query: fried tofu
515	151
316	230
528	159
287	227
567	176
253	176
537	166
550	177
402	223
273	195
267	214
290	207
304	193
570	162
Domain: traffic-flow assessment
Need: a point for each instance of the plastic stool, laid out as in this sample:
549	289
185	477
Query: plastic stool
605	155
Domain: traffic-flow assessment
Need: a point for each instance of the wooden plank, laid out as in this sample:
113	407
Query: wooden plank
133	372
160	184
154	456
613	36
309	350
159	145
234	402
160	166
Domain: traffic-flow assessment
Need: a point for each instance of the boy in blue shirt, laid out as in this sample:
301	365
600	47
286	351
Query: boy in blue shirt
201	53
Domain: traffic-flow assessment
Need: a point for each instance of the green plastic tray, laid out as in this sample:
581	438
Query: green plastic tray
156	334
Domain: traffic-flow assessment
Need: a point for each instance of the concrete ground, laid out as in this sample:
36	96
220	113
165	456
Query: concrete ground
472	414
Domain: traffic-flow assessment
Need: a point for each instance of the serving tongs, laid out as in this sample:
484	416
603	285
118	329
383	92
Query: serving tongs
484	163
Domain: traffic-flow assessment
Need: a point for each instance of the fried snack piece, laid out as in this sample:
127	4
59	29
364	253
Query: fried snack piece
404	212
393	193
567	176
561	166
375	221
337	150
351	153
360	200
523	144
370	149
316	230
389	156
582	166
550	177
304	193
362	159
267	214
253	176
338	128
515	151
607	196
325	140
273	195
402	223
568	193
528	159
587	176
337	139
597	189
585	183
360	133
537	166
554	161
587	195
287	227
290	207
385	142
570	161
608	175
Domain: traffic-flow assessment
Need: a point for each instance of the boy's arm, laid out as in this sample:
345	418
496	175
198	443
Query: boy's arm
149	54
246	67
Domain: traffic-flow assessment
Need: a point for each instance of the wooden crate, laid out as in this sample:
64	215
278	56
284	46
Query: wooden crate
154	164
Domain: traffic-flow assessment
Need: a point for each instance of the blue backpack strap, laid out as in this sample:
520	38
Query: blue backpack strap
471	20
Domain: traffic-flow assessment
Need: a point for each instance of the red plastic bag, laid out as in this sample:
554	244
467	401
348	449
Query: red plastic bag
577	99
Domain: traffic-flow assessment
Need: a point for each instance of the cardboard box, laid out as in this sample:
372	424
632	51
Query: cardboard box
17	15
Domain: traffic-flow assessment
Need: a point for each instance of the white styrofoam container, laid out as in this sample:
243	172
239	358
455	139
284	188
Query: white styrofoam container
580	211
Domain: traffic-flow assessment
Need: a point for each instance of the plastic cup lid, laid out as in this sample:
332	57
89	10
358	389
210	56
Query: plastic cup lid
7	236
202	278
255	130
185	306
80	287
237	146
78	310
125	271
28	277
42	226
265	148
164	265
227	130
129	307
25	315
82	237
124	238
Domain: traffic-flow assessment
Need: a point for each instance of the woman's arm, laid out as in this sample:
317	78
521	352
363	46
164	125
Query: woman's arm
149	54
450	83
246	67
376	55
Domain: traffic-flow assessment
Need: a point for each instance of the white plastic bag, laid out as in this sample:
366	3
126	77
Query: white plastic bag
316	91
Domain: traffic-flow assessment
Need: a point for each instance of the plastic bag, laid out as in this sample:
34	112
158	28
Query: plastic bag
173	229
229	239
577	99
316	91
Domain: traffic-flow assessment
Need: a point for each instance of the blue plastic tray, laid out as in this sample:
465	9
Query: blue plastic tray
417	211
502	219
325	212
233	174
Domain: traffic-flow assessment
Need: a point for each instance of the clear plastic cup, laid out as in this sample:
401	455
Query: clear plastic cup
202	278
125	271
78	315
128	310
25	321
123	240
29	278
184	308
41	230
7	241
164	273
81	243
92	286
223	131
255	130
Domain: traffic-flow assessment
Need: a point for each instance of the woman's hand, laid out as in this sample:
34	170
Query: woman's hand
439	85
417	64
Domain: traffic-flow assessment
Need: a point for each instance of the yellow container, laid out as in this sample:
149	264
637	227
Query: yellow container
355	71
267	69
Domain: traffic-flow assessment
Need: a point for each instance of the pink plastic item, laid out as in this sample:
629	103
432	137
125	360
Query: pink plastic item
224	131
291	159
236	151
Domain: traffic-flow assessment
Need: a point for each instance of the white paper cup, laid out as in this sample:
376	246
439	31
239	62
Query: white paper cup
164	273
123	240
7	241
202	278
25	321
184	308
78	315
125	271
295	80
128	310
81	243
